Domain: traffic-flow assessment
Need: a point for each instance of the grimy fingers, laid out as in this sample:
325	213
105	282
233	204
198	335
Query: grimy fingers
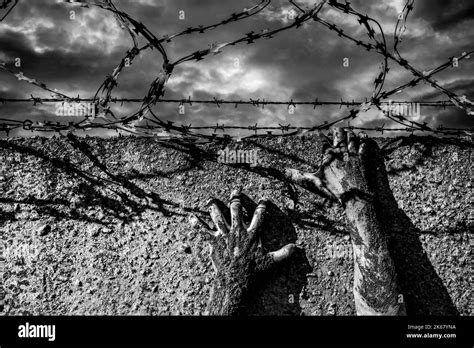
258	216
345	142
202	227
339	138
236	209
309	181
363	137
217	217
352	143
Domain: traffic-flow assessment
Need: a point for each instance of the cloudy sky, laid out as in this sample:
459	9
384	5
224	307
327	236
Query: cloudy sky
75	55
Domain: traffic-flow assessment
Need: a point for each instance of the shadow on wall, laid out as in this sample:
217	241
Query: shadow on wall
116	194
423	290
277	293
421	286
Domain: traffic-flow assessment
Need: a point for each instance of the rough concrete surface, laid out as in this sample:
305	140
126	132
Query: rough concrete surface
107	226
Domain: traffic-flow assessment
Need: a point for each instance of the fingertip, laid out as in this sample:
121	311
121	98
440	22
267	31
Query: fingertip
339	137
283	253
351	142
262	203
209	202
236	193
362	149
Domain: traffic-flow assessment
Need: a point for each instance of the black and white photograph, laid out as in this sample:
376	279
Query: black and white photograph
256	159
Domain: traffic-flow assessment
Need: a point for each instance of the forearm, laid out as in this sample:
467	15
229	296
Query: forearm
353	172
228	292
375	285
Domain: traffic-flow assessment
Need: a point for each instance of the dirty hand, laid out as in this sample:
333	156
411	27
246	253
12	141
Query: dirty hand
237	254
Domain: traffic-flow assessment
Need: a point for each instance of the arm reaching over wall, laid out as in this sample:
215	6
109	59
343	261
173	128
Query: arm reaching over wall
351	173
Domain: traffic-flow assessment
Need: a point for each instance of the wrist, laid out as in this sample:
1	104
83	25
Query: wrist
228	291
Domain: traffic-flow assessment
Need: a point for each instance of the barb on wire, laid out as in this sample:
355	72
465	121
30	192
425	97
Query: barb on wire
381	47
156	128
461	102
252	102
234	17
133	123
7	4
252	37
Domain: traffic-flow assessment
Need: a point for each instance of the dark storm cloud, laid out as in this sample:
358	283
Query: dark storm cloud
55	66
445	14
75	56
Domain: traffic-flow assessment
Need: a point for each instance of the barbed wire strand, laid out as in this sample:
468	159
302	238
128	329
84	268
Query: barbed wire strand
157	88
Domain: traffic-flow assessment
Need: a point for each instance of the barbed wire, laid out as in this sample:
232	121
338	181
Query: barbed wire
186	130
133	123
257	102
5	5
